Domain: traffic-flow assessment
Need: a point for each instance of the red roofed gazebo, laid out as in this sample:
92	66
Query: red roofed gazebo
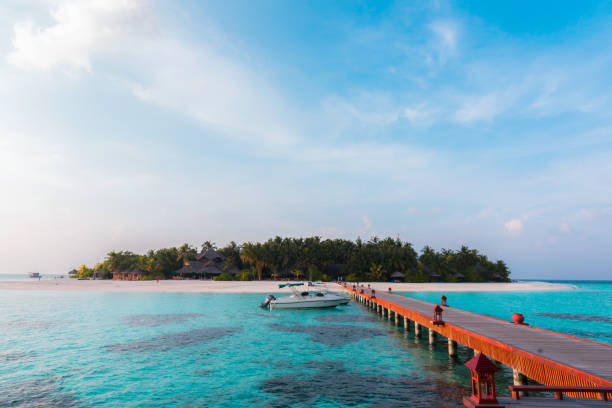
483	383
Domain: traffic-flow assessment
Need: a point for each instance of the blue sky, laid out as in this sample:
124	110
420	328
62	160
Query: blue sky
137	124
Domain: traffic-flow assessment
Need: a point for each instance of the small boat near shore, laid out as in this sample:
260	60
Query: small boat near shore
304	299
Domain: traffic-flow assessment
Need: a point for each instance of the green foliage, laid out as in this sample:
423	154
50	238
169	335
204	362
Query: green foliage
314	274
224	277
307	258
352	278
231	252
244	275
152	276
416	275
84	272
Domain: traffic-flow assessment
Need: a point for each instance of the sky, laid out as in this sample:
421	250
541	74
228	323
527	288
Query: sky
139	124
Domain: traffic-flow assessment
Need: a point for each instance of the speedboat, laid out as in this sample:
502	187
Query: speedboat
304	299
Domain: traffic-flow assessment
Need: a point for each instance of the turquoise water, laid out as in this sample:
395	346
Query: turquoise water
199	350
585	312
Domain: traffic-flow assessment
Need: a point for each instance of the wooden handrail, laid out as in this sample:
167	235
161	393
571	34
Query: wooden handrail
558	390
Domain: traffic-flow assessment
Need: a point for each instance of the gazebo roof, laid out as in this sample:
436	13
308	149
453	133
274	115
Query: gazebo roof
211	270
210	254
430	272
397	274
481	363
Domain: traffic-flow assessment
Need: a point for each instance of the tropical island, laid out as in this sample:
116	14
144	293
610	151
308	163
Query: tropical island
375	260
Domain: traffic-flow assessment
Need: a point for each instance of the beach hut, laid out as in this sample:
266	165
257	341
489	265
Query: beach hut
498	278
208	264
210	255
73	272
460	277
397	276
433	275
130	274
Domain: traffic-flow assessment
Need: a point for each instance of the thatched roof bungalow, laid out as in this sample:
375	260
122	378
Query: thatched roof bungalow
130	274
207	265
433	275
397	276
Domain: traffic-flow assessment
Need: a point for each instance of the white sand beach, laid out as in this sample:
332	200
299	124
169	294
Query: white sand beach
207	286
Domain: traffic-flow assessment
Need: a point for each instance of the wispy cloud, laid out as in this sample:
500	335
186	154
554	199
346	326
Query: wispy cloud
79	29
514	226
445	40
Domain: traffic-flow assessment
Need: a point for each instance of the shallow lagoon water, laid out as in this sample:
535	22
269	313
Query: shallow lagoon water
584	312
196	350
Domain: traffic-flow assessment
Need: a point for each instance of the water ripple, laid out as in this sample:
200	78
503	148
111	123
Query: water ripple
331	334
17	356
137	320
28	324
573	316
174	340
345	318
334	382
37	393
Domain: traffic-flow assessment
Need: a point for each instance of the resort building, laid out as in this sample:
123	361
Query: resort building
207	265
397	276
133	274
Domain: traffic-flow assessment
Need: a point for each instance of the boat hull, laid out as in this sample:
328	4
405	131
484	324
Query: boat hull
308	304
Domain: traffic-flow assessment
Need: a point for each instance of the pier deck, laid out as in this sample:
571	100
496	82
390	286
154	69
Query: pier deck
547	357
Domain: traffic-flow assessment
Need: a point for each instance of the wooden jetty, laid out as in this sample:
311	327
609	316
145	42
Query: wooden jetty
549	358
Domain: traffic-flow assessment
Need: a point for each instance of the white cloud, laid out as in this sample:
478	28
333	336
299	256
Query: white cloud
419	115
445	39
587	213
484	107
218	92
367	224
514	226
79	28
564	227
195	80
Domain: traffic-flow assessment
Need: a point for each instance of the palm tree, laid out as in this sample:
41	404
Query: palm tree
252	254
185	254
208	245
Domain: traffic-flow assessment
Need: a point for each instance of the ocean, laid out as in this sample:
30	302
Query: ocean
86	349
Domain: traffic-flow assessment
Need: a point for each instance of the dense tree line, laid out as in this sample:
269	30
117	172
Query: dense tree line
316	259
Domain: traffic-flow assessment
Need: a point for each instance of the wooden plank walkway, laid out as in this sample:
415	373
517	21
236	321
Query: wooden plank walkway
551	403
547	357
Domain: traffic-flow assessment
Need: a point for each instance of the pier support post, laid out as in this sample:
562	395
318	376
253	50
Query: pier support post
452	348
417	329
432	336
519	379
397	319
406	324
387	312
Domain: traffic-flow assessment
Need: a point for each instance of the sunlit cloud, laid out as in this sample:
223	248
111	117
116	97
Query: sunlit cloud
514	226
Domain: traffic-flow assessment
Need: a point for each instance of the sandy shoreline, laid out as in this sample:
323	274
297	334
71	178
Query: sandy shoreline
175	286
